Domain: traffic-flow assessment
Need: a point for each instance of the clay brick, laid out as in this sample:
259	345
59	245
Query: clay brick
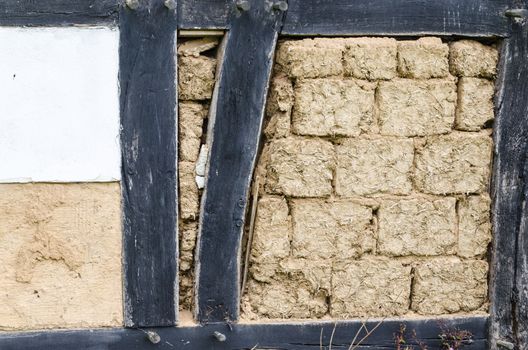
298	290
278	108
381	165
449	285
310	58
474	226
188	233
416	107
272	234
455	163
470	58
60	247
329	107
423	58
475	103
370	58
190	120
325	229
374	286
189	195
418	226
300	167
196	77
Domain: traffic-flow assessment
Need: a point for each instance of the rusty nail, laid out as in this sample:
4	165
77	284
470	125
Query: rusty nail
219	336
280	5
170	4
132	4
153	337
243	5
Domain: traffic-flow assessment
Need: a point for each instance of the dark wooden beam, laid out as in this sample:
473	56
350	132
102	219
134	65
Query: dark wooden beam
148	141
315	335
470	18
204	14
475	18
517	101
57	12
509	281
239	105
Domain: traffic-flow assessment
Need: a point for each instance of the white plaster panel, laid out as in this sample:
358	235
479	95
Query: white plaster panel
59	104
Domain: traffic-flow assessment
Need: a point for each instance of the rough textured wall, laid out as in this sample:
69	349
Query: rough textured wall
196	78
60	247
374	180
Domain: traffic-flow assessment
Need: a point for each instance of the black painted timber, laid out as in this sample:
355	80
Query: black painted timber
478	18
57	12
256	336
509	266
204	14
240	104
515	102
149	148
470	18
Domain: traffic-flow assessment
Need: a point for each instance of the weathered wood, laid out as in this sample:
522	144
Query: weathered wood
508	279
240	103
262	336
518	73
148	141
480	18
57	12
204	14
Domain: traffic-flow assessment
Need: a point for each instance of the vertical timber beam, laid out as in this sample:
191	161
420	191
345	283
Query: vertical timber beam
240	103
509	265
149	149
520	72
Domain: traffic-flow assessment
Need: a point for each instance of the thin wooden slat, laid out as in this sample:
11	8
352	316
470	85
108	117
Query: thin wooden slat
149	149
480	18
255	336
508	281
57	12
240	103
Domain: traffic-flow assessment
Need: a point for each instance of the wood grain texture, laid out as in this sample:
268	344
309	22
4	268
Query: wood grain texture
518	88
477	18
204	14
508	275
239	104
57	12
148	142
480	18
262	336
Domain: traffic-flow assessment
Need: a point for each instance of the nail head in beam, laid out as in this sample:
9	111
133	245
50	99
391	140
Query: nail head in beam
132	4
170	4
517	13
280	6
243	5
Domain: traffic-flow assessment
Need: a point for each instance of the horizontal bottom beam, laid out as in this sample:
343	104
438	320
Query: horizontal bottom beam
257	336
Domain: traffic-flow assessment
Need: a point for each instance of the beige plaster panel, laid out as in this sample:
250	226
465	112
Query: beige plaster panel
60	247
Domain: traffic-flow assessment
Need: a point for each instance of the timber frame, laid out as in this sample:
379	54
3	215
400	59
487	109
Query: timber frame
148	106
